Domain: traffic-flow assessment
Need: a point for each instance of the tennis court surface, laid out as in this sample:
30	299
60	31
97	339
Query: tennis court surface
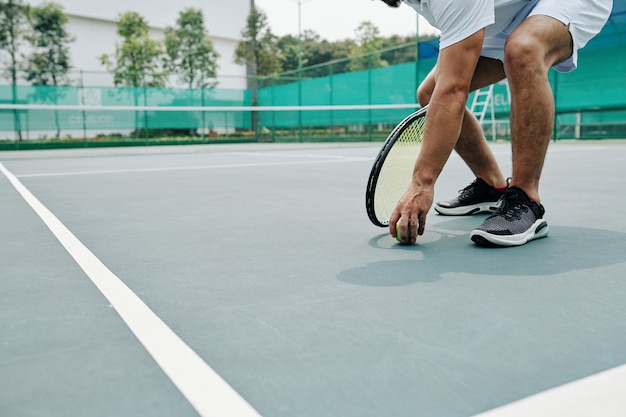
246	280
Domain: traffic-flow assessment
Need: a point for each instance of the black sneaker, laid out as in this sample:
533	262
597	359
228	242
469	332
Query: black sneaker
516	222
478	197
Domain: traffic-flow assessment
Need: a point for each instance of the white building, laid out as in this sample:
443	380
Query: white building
93	24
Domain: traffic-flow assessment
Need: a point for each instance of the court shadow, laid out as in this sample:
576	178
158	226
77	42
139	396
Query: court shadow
387	274
445	247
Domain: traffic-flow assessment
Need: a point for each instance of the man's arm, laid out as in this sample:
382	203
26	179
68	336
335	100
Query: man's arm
455	68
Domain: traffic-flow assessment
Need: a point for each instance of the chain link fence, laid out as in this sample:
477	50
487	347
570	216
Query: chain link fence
306	105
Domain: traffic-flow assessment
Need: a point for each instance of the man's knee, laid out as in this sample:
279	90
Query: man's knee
536	45
523	53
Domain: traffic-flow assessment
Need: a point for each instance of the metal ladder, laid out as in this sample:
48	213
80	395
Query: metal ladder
481	103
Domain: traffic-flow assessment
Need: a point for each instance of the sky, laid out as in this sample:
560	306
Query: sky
338	19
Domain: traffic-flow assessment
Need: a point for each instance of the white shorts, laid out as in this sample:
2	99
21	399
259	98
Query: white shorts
585	19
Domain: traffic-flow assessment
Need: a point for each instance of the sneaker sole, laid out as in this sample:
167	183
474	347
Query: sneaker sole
467	210
537	231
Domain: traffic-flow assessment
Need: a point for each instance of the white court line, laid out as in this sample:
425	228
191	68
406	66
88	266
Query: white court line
601	395
190	168
296	155
558	148
207	392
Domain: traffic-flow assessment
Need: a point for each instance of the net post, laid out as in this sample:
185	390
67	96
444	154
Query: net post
369	97
82	104
331	101
300	104
145	113
203	115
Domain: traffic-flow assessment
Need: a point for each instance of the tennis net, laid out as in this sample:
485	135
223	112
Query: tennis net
97	124
24	126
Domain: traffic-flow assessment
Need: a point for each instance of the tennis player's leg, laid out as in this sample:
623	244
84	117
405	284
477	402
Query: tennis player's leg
537	44
472	147
550	37
531	50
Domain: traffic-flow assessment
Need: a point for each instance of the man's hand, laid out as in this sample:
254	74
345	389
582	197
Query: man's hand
409	217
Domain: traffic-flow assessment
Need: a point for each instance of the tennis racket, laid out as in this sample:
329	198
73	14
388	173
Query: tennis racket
393	169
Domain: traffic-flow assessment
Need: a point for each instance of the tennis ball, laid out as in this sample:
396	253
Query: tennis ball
398	233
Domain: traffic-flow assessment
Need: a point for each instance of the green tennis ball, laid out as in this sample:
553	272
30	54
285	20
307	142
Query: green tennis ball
398	233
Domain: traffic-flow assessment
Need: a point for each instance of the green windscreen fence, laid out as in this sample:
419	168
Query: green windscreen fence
390	85
106	108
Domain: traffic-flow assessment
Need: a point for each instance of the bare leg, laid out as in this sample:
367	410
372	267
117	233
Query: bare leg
472	146
537	44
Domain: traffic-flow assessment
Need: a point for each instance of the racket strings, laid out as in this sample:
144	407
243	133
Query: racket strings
397	170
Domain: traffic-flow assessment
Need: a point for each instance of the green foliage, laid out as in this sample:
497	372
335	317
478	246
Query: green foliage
289	49
315	51
139	60
393	55
258	48
369	42
49	60
320	57
14	16
318	51
190	51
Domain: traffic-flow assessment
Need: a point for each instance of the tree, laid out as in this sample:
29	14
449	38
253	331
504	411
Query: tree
319	52
49	61
288	47
13	25
258	47
395	51
191	53
315	51
138	59
340	52
14	16
259	52
369	42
